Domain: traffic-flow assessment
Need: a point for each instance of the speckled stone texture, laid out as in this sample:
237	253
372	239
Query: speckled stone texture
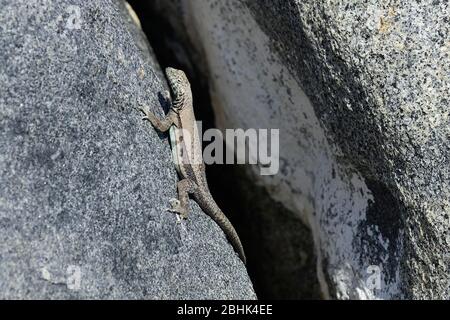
379	77
84	182
359	90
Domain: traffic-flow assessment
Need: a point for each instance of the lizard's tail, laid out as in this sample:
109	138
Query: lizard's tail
208	205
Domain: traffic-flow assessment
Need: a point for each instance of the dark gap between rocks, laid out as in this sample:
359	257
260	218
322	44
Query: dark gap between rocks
279	249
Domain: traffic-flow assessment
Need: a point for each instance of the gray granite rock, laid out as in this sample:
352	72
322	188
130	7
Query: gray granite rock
359	91
84	182
379	78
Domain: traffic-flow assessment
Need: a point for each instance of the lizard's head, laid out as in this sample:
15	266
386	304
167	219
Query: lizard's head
179	84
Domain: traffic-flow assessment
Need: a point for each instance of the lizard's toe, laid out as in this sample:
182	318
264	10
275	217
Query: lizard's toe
174	202
144	112
177	208
179	211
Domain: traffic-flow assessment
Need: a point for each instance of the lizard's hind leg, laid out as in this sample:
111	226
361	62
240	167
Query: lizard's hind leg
181	206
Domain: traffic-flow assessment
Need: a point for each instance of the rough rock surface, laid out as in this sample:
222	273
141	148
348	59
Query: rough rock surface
360	94
84	182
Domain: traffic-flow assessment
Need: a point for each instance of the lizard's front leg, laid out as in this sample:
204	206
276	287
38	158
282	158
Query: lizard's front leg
160	125
181	206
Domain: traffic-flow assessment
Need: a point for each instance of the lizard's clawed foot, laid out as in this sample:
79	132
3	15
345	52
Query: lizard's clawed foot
177	208
146	114
174	202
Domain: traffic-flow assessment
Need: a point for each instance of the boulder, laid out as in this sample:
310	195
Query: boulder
85	183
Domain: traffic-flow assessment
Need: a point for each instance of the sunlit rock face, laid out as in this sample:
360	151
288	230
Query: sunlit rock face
84	182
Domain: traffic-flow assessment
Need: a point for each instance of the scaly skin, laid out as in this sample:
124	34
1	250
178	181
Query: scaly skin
187	154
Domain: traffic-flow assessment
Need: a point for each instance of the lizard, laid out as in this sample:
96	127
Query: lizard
187	156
